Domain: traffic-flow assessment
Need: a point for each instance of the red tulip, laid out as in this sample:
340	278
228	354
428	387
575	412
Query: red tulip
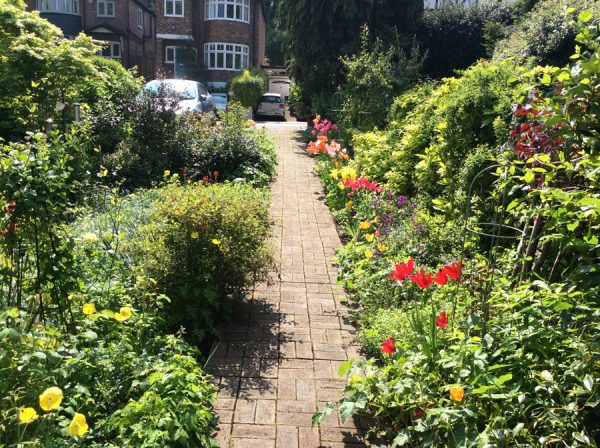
422	279
441	278
402	271
453	270
388	347
442	320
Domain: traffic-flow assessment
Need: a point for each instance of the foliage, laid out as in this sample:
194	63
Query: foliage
374	77
204	244
233	149
248	87
317	34
38	69
454	36
545	34
489	337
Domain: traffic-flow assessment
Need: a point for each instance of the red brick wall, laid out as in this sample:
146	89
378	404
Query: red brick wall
174	25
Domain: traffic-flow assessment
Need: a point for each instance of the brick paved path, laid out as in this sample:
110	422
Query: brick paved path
279	359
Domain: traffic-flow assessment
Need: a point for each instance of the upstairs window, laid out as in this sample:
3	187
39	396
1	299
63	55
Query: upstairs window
139	20
106	8
111	50
174	8
228	10
224	56
59	6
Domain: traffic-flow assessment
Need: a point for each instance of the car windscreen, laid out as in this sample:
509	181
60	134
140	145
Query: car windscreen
186	91
220	99
270	99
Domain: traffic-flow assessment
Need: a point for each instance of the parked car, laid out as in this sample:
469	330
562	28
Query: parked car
190	96
220	101
271	105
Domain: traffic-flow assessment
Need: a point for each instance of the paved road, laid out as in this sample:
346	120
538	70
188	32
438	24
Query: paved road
278	360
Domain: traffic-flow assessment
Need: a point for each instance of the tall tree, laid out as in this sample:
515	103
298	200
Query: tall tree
317	33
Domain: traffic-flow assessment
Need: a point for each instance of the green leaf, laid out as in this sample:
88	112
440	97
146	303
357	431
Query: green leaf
546	79
585	16
588	382
572	226
562	306
320	415
503	379
564	76
481	390
401	439
528	177
345	367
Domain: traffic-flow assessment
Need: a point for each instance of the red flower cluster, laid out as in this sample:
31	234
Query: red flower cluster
11	226
362	183
404	271
442	320
534	138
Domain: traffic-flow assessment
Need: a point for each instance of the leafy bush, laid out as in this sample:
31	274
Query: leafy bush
454	36
248	87
202	245
374	76
234	150
546	34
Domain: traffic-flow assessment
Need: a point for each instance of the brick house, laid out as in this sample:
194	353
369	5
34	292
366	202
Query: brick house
223	36
127	26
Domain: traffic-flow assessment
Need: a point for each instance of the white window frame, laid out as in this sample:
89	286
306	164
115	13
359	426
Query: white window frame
105	4
218	54
59	6
139	19
221	9
111	46
167	48
174	8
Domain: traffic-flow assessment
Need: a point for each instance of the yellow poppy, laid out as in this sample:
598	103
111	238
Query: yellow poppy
89	309
370	237
125	311
364	225
457	393
195	235
368	254
27	415
216	242
78	425
335	174
348	173
382	247
51	398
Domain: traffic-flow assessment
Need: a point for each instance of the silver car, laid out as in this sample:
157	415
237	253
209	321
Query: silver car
271	105
191	96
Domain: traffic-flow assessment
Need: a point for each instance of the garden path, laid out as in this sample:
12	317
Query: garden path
278	361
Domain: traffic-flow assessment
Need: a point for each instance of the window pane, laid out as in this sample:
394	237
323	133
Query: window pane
170	54
229	48
230	11
238	12
229	60
221	10
246	14
117	50
244	61
220	62
238	61
169	7
213	63
179	8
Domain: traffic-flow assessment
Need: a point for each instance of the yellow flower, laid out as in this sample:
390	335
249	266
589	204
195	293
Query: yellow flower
376	220
216	242
370	237
195	235
335	174
341	186
382	247
167	173
123	314
368	254
348	173
364	225
457	393
349	204
27	415
251	123
89	309
336	164
89	237
51	398
78	425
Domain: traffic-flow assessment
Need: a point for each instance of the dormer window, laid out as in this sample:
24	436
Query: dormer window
228	10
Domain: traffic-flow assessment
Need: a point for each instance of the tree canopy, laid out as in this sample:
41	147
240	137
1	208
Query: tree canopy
317	34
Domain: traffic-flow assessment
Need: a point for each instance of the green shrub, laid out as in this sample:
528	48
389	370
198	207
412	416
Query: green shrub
546	34
203	245
234	150
248	87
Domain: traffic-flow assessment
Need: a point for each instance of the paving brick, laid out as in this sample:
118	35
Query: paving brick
287	437
254	431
